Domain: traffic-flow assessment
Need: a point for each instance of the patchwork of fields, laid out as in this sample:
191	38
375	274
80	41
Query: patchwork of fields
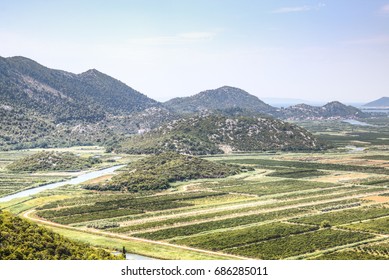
15	182
331	205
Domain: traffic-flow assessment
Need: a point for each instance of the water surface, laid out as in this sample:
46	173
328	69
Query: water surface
355	122
74	181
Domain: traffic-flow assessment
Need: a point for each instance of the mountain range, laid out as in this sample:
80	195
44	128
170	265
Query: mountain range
43	107
64	96
331	110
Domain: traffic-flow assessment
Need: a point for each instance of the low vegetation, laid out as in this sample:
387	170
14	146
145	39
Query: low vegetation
211	134
346	216
157	172
240	237
50	161
220	224
299	244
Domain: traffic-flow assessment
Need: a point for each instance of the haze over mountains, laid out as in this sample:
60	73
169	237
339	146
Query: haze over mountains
382	102
331	110
42	107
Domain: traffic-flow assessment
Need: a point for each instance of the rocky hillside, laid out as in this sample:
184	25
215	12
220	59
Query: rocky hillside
65	96
332	110
211	134
223	98
42	107
232	101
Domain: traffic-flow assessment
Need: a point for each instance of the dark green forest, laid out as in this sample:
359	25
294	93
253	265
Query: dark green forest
50	161
22	240
156	172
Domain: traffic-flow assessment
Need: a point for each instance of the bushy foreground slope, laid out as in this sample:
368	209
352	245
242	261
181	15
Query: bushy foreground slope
22	240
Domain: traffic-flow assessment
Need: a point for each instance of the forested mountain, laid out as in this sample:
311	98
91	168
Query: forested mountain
223	98
42	107
64	96
22	240
211	134
381	102
331	110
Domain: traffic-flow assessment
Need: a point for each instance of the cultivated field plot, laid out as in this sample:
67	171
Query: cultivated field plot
263	214
291	206
11	182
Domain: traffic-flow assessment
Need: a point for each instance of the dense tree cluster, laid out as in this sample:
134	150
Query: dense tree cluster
22	240
156	172
48	161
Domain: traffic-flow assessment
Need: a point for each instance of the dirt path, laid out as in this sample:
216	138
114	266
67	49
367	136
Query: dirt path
115	235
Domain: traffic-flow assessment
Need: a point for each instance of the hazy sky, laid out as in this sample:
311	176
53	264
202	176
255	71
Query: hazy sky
313	50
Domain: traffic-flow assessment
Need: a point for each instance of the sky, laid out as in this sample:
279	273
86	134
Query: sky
310	50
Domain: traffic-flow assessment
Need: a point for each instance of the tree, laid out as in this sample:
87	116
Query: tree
325	224
124	252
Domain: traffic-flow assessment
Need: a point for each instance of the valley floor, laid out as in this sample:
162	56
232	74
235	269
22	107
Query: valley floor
332	205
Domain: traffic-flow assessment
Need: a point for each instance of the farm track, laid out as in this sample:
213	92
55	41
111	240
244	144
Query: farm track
125	237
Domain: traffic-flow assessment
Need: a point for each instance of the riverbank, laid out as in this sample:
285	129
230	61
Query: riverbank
74	181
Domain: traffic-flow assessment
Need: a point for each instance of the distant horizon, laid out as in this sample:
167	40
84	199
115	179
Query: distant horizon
311	50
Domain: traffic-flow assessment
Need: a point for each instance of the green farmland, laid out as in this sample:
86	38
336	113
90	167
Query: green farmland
335	203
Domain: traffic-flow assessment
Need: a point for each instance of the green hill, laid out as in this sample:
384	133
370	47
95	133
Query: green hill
43	107
330	110
156	172
50	161
223	98
65	96
212	134
22	240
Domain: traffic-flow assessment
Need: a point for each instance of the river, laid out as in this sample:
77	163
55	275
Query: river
74	181
355	122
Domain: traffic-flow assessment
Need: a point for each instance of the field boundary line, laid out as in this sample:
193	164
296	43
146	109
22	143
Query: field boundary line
29	212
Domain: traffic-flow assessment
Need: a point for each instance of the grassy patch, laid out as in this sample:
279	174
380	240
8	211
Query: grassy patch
376	226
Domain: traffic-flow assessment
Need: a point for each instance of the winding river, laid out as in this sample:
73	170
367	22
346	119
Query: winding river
74	181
